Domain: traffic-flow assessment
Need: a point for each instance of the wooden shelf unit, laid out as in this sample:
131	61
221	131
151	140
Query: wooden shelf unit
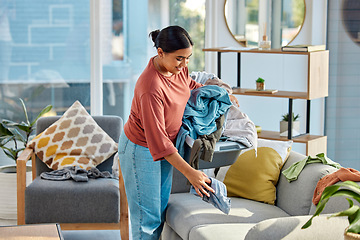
317	87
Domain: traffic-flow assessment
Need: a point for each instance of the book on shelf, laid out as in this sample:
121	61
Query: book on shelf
266	91
303	48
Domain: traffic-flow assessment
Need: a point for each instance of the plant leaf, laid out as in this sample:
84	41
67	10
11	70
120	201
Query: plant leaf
320	207
45	110
5	139
25	111
10	153
17	135
24	127
348	212
333	191
4	131
355	223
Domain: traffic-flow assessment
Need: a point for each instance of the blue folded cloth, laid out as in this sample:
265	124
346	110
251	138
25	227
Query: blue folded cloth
205	105
219	199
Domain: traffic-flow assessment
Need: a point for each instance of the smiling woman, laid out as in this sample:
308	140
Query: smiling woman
160	97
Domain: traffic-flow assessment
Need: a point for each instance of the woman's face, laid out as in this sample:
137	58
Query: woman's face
176	61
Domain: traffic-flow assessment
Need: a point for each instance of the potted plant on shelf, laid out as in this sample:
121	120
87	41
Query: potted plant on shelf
260	84
347	189
13	138
284	124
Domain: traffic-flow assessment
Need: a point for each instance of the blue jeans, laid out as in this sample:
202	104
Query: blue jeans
147	186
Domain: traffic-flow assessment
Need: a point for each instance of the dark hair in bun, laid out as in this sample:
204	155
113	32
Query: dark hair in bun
171	38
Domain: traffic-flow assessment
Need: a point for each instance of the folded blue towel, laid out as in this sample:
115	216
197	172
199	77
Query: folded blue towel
219	199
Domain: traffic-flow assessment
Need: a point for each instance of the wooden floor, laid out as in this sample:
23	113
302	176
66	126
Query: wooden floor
78	235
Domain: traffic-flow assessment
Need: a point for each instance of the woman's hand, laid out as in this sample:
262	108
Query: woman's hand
200	182
234	100
197	178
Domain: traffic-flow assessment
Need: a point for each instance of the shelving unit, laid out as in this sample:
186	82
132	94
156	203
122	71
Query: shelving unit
317	87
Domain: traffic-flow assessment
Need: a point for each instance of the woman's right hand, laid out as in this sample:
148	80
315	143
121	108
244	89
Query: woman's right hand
200	181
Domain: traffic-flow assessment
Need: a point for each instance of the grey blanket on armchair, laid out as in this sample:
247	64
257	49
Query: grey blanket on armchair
76	173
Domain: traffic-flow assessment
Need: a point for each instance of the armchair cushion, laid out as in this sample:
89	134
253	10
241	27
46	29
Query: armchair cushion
74	140
72	202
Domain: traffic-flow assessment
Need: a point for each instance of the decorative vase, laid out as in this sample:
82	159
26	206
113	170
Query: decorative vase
350	235
284	128
8	191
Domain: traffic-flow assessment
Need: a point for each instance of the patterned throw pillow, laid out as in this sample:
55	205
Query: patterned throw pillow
74	140
255	176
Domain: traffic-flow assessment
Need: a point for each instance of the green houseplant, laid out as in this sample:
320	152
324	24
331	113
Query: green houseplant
16	133
285	117
260	84
13	138
284	124
348	189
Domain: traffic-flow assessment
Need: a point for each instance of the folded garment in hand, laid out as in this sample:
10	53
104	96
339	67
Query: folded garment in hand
219	199
76	173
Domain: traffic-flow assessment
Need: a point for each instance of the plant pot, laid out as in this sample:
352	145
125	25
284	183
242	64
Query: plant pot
8	190
284	128
260	86
350	235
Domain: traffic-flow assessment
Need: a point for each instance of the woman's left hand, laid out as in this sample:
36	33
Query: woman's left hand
234	100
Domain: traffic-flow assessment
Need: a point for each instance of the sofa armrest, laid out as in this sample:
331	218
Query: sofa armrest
295	197
179	182
289	228
335	204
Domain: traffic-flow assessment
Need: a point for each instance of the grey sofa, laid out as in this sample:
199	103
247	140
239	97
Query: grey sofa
190	218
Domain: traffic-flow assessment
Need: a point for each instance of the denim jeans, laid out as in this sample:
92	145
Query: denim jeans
147	186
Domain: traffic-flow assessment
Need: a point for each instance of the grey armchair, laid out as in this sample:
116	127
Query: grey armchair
97	204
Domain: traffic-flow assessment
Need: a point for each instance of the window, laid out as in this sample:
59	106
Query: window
45	48
46	55
190	14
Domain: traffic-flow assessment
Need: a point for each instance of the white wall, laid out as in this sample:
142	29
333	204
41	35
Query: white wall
280	72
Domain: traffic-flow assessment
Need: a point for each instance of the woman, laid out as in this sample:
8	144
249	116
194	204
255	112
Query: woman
146	146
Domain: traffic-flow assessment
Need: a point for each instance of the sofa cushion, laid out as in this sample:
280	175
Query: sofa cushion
255	176
73	140
296	197
228	231
186	211
289	228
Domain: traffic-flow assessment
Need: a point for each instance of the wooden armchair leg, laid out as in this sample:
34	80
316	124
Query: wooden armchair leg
124	210
21	183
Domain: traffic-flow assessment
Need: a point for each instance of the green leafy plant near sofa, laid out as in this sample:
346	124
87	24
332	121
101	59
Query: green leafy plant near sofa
15	132
347	189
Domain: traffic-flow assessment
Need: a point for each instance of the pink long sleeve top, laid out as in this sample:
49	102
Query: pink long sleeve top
157	110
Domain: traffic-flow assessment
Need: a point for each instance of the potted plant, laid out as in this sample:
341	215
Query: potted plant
284	124
13	138
347	189
260	84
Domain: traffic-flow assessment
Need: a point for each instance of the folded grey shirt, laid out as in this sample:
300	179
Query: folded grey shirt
76	173
219	199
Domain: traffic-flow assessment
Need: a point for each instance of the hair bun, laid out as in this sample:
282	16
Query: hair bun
154	35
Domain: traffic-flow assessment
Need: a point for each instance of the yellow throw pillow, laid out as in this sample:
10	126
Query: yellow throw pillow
255	177
74	140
